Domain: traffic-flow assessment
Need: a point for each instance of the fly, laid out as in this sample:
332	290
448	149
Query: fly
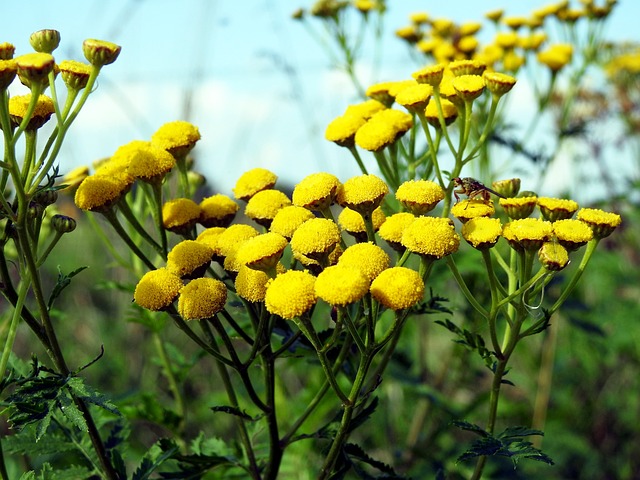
472	188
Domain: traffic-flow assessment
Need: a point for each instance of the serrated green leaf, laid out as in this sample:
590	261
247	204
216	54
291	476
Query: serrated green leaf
90	395
24	443
43	425
471	427
356	451
31	475
75	472
71	412
163	450
518	432
235	412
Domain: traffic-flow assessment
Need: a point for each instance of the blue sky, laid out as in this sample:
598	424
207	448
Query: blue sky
256	84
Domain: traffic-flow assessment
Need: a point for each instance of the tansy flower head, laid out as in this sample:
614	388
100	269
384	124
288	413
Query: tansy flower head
75	74
467	209
363	193
514	23
8	71
398	288
481	232
342	130
415	98
217	211
252	182
467	67
495	15
45	41
233	236
18	106
290	294
145	161
602	223
210	237
157	289
383	129
572	234
364	109
180	215
352	222
553	256
314	266
252	284
419	196
527	233
202	298
507	188
262	252
410	34
264	205
553	209
7	50
366	257
449	112
189	259
74	178
393	227
100	52
340	285
316	238
506	40
432	237
35	68
498	83
288	219
469	28
316	191
380	93
556	56
431	75
468	44
177	138
468	87
98	193
519	207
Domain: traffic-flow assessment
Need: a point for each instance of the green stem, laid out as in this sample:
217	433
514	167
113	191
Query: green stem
463	287
111	216
23	289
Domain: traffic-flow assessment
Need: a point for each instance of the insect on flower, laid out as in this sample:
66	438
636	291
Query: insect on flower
472	188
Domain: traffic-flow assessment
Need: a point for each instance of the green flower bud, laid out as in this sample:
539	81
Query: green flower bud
63	224
100	52
45	41
35	211
46	197
75	74
507	188
6	51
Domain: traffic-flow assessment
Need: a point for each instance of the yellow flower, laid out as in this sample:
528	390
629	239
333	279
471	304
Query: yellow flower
316	238
202	298
364	109
45	41
252	182
35	68
264	205
553	209
467	67
556	56
416	97
431	236
512	62
180	215
74	178
288	219
419	17
602	223
383	129
75	74
100	52
157	289
519	207
366	257
398	288
392	229
527	233
410	34
353	223
506	40
449	111
419	196
468	209
7	50
507	188
189	259
98	193
572	234
553	256
467	45
498	83
363	193
145	161
252	284
18	106
262	252
514	23
495	15
482	233
342	130
290	294
341	285
469	28
8	71
431	75
210	237
177	138
233	236
217	211
316	191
